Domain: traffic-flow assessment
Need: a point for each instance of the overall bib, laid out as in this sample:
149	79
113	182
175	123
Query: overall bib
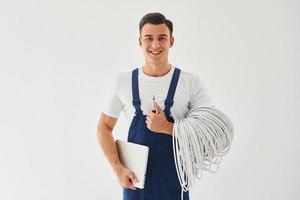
161	177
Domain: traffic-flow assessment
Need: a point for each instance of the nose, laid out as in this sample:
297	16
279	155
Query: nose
155	43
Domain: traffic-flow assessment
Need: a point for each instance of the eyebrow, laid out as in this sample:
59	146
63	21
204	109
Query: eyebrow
165	35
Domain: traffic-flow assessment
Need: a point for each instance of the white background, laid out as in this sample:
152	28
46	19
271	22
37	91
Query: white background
57	60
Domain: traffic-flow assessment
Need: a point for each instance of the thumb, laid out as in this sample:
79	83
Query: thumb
158	108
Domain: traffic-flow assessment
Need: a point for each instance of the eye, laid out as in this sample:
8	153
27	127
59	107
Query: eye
161	38
148	39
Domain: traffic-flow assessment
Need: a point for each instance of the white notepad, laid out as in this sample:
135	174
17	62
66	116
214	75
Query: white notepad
134	157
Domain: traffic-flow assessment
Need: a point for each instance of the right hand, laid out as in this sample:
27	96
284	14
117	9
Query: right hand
126	177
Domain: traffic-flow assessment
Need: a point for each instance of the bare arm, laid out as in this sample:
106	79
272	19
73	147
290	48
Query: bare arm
109	148
106	140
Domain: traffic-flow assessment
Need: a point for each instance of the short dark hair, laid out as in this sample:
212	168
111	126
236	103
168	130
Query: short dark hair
156	18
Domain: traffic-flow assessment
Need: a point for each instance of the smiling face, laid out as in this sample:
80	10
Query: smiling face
156	41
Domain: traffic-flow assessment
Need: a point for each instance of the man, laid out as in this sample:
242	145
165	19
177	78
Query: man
175	93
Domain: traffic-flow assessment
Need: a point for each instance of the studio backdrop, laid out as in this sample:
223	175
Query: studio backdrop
57	63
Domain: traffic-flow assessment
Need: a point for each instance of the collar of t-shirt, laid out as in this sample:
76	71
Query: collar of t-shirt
159	78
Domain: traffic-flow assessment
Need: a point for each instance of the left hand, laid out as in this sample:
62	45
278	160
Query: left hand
157	122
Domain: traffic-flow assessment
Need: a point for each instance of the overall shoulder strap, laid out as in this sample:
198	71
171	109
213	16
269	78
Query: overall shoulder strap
135	91
170	97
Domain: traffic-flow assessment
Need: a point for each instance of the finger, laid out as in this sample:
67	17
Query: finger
132	187
129	185
151	114
126	183
148	118
133	177
148	122
158	108
149	127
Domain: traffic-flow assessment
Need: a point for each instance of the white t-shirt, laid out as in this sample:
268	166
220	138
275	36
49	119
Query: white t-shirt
190	92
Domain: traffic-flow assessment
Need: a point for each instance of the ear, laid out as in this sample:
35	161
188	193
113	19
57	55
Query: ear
171	41
140	41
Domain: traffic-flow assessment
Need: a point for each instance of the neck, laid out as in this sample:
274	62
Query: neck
156	69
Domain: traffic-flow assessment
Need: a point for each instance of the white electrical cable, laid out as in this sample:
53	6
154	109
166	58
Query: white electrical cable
199	142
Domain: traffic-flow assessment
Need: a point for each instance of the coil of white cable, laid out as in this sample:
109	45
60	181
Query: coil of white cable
199	142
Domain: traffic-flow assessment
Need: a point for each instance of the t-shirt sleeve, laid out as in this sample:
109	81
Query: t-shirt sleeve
113	105
199	94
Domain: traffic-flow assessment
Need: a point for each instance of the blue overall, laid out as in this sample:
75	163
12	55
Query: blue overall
161	177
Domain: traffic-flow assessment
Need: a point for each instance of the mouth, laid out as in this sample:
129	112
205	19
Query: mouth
155	53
